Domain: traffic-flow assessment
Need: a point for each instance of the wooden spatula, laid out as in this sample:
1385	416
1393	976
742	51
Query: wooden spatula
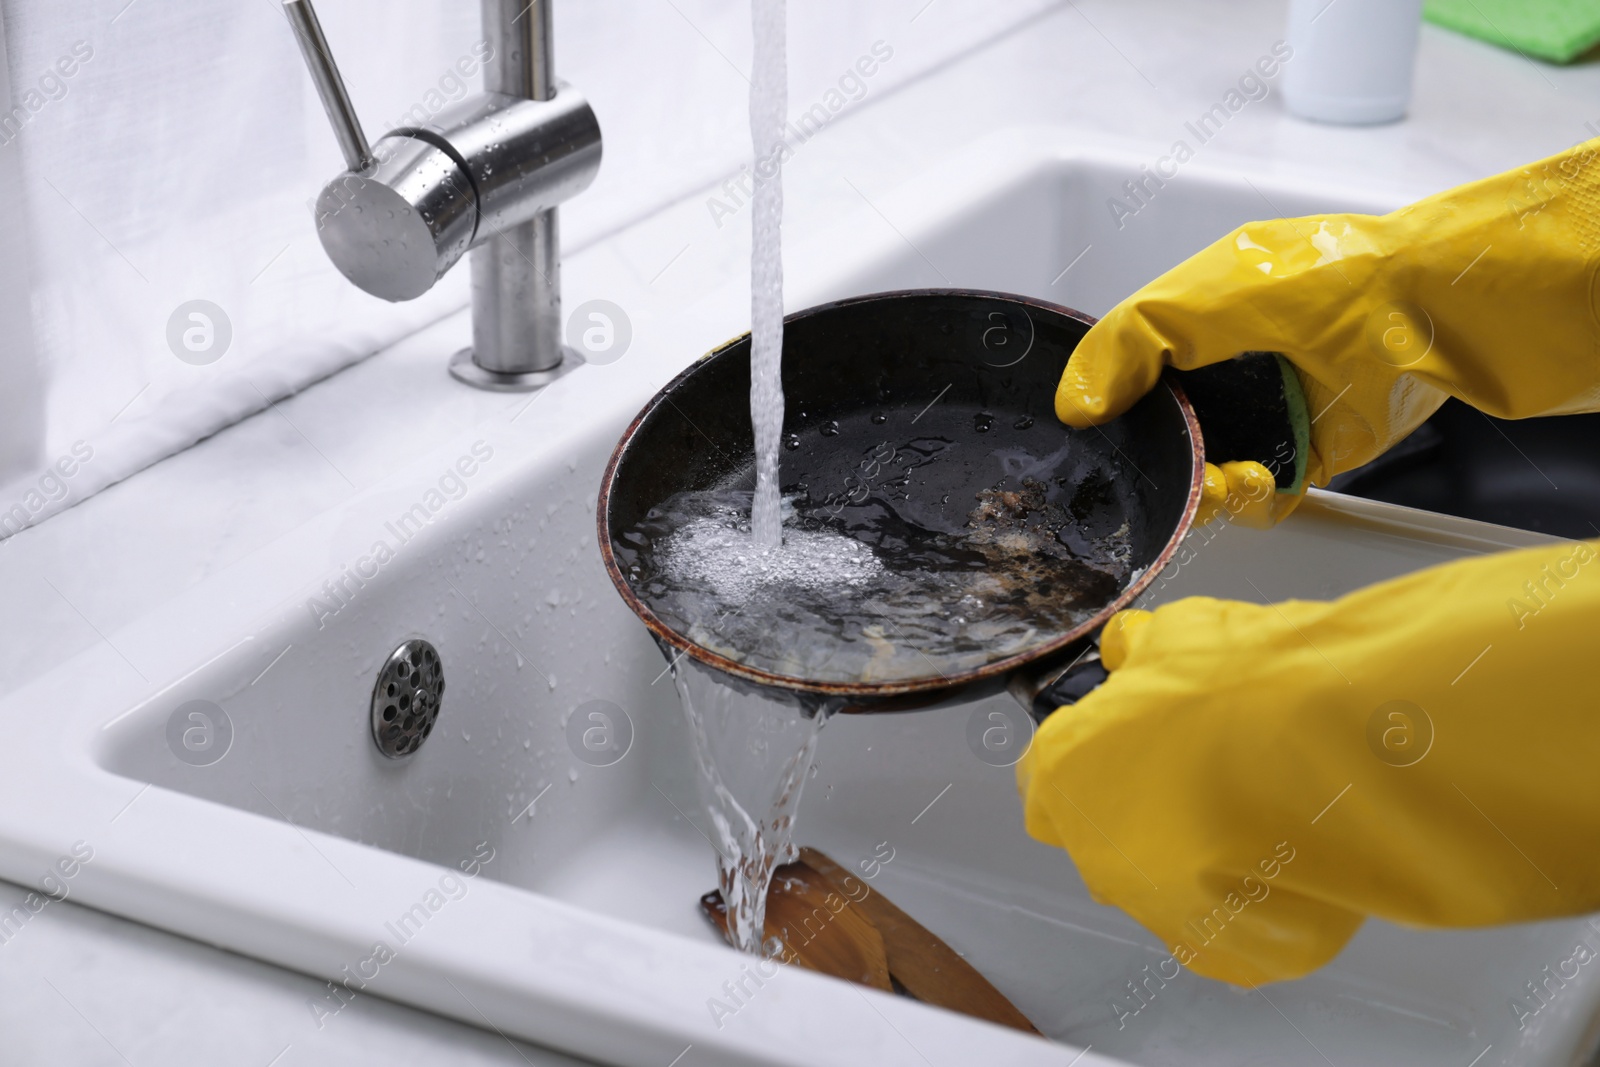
818	926
831	921
929	969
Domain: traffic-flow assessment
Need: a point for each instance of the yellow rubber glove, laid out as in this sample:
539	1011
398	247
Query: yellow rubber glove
1253	780
1243	490
1485	292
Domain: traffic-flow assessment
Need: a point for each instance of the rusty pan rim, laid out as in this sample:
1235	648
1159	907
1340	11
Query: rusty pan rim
870	691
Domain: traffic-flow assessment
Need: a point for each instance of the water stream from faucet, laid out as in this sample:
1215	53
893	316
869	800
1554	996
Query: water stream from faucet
753	755
769	102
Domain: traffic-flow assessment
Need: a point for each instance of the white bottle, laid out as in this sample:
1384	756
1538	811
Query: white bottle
1352	59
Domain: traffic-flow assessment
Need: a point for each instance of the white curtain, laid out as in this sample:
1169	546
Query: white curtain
154	153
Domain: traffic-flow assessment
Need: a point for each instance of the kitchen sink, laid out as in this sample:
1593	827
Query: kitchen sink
1536	474
507	875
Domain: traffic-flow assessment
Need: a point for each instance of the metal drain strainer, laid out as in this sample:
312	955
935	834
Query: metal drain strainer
405	700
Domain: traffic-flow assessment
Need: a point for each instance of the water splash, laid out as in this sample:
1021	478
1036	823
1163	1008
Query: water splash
721	558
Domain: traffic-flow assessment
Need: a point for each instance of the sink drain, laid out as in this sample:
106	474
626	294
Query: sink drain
405	700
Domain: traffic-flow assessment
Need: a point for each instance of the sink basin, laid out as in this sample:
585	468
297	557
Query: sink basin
508	876
1538	474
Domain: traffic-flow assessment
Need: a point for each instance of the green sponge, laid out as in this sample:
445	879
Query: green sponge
1557	30
1251	407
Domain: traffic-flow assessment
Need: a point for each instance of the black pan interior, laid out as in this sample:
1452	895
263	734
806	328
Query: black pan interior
972	375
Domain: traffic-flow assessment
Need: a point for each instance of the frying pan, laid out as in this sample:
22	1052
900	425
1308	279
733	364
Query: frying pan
978	368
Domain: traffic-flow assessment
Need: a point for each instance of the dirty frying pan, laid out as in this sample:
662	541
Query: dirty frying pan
917	419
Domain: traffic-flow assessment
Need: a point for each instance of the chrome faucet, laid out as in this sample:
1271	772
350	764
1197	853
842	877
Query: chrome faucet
485	175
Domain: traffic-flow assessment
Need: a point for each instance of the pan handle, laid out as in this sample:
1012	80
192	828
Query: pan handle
1068	679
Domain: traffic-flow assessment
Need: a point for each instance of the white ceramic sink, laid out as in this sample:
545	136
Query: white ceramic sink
522	889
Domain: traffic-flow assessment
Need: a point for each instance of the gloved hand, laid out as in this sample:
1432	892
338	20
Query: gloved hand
1253	780
1244	491
1485	292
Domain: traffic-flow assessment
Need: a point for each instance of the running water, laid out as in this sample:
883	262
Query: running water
754	756
769	104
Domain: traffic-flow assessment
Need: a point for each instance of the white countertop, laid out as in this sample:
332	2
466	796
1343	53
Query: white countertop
80	987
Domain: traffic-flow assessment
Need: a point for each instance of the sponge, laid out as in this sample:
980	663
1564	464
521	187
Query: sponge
1557	30
1251	407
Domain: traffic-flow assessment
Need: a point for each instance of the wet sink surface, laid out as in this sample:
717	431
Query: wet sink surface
517	879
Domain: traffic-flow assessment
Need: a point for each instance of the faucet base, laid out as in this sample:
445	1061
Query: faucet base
463	368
